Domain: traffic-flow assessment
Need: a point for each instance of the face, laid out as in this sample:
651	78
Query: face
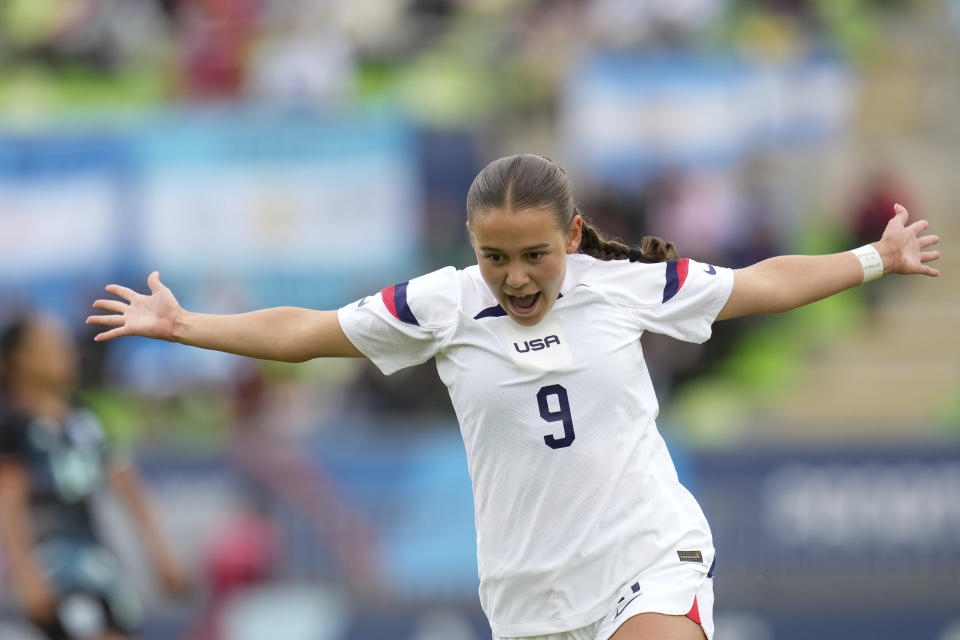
523	258
46	357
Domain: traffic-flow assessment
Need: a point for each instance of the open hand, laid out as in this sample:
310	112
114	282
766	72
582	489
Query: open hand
902	246
150	316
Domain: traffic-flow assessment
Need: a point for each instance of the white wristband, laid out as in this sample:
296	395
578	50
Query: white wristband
871	261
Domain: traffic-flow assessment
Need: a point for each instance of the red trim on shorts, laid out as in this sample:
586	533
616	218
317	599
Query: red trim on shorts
694	613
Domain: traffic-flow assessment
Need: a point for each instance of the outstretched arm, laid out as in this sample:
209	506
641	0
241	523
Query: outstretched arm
786	282
289	334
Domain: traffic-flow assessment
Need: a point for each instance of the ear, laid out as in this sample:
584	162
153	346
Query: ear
574	234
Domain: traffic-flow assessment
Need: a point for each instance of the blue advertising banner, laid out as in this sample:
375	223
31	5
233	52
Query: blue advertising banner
626	117
298	208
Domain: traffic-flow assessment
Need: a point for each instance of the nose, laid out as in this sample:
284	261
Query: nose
516	276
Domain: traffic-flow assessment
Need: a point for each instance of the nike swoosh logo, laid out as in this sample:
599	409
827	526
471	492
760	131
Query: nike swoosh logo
710	270
363	302
624	607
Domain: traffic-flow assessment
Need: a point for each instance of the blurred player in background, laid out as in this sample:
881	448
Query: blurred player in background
53	459
583	530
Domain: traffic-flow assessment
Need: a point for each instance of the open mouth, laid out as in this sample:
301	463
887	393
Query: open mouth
523	305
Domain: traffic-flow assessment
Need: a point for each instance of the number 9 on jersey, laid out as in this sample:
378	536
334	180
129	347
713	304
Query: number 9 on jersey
561	415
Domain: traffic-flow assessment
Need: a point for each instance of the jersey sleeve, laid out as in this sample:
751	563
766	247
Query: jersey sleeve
680	298
405	324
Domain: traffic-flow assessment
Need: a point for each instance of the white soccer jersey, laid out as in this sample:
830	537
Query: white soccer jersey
574	491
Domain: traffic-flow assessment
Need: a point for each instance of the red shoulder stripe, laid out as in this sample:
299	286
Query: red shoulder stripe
388	299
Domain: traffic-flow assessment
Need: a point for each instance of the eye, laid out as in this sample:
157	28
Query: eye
534	256
495	258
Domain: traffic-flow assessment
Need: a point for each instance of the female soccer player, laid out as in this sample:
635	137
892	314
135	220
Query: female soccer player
53	459
583	531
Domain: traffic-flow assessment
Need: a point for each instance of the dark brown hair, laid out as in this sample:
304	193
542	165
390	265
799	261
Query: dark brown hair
11	338
528	181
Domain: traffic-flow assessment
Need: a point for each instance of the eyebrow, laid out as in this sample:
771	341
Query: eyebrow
536	247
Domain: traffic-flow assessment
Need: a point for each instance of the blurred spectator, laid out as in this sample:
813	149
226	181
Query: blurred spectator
873	206
695	210
242	557
761	231
215	38
872	209
626	23
301	65
54	458
268	452
100	34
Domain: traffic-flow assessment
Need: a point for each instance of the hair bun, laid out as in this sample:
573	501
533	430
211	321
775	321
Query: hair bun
656	249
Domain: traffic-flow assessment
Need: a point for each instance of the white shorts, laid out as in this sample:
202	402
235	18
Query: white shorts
672	590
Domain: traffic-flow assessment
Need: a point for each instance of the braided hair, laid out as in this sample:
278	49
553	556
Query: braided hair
528	181
651	249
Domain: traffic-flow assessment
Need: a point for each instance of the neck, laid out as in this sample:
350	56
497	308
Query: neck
51	404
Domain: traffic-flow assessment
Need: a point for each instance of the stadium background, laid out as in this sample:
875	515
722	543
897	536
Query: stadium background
262	152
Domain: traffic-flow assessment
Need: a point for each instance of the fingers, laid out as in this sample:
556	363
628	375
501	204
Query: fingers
110	305
122	292
927	256
109	320
153	281
106	320
929	271
900	210
110	335
926	241
918	227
